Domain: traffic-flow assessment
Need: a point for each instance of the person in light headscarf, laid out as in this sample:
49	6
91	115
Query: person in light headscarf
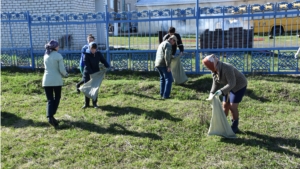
92	58
52	79
235	84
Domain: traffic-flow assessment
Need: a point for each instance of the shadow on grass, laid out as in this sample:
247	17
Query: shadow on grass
142	95
251	94
114	129
11	120
275	144
156	114
200	85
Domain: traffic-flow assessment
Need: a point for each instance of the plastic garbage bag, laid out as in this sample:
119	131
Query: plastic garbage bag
91	88
218	123
178	72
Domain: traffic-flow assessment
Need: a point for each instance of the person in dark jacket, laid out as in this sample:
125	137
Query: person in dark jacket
179	42
92	58
235	86
90	39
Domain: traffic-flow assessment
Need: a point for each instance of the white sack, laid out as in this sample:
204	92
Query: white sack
91	88
218	123
178	72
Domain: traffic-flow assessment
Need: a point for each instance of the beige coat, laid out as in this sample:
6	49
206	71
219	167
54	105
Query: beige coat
229	76
54	69
163	55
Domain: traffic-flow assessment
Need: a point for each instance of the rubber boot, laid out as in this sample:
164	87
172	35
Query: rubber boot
235	126
95	104
87	103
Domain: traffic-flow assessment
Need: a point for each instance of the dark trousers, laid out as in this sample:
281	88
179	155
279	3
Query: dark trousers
86	78
53	94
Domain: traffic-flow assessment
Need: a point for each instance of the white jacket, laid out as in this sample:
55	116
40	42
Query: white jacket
54	69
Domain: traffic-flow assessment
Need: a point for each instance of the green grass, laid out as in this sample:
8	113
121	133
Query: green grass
135	129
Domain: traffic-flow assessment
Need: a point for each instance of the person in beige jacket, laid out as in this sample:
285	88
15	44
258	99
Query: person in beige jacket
52	79
163	66
235	84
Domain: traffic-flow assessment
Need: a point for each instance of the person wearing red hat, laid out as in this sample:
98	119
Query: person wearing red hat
235	84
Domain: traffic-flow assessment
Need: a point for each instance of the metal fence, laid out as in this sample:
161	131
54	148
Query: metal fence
254	38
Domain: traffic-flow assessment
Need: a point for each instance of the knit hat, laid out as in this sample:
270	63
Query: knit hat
51	46
209	62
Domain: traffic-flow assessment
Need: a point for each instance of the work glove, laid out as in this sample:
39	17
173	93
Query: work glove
296	55
218	93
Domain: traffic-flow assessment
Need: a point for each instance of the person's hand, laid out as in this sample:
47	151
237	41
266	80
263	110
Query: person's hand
173	56
218	93
66	75
211	95
169	69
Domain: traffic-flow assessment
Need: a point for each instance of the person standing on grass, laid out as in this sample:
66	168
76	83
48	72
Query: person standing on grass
235	86
90	38
52	79
163	63
92	58
178	43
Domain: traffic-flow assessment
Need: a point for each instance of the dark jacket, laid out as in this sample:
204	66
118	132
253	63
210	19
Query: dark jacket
179	43
92	61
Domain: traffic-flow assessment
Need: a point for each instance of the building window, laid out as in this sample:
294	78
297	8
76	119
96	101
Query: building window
128	7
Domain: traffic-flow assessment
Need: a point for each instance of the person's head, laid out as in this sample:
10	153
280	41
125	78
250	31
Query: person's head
93	47
51	46
171	31
173	40
210	62
90	38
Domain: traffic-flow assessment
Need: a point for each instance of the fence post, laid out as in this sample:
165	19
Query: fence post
197	37
30	39
107	35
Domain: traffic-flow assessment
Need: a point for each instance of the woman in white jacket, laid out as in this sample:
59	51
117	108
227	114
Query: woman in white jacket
52	79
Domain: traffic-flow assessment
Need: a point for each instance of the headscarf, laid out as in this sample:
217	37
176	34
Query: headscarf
90	46
210	62
51	46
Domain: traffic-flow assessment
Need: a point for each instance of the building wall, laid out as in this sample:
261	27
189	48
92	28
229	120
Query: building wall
40	33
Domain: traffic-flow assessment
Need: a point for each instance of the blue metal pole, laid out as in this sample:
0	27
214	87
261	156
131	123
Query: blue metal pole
197	37
30	39
48	19
67	30
10	31
149	29
107	34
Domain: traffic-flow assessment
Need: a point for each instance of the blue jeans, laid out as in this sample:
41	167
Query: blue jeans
166	80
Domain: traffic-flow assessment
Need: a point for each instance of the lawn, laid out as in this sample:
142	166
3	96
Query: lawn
134	128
